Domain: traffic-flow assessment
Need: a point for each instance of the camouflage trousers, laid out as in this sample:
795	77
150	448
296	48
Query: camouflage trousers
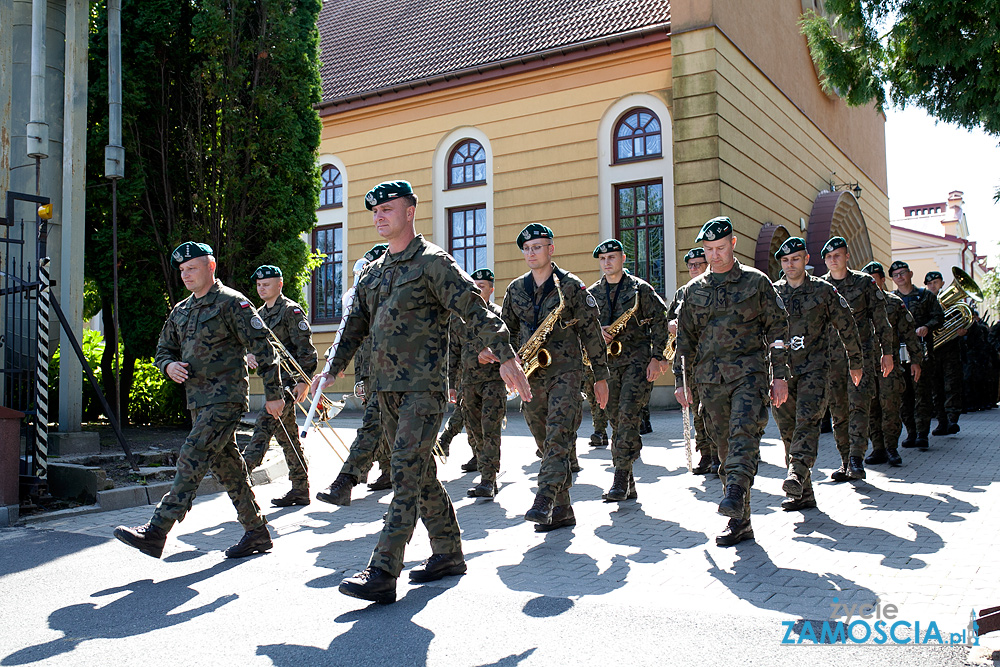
369	443
917	405
598	414
947	379
485	404
211	445
702	443
411	420
798	420
850	405
287	433
628	392
886	424
553	417
736	415
457	421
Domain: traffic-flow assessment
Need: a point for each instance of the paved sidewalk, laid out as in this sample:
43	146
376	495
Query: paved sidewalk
917	537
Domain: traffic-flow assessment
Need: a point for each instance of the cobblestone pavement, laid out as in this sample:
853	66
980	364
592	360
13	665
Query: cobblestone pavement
917	537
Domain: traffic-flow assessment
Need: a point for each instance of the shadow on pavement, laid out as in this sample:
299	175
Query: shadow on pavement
37	547
820	529
876	499
632	527
511	660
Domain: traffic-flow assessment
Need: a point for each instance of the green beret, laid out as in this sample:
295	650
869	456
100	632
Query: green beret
377	251
872	268
833	244
715	229
266	271
693	253
534	231
383	192
483	274
898	264
794	244
933	275
189	250
611	245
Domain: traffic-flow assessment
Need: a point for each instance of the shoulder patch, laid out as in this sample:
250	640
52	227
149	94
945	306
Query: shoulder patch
843	301
303	325
879	294
296	311
781	303
256	322
909	316
244	304
591	301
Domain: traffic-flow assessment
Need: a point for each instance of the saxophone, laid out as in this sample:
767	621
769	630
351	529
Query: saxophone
671	349
533	356
616	327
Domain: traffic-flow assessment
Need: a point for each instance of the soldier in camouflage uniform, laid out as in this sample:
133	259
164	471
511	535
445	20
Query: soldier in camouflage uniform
709	463
369	443
286	320
947	381
555	414
203	345
918	400
850	405
599	438
732	326
814	307
635	358
483	392
454	426
885	418
405	300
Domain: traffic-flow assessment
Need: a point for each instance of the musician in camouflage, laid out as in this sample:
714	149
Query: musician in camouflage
850	404
555	414
288	323
709	463
405	300
484	393
814	307
733	326
946	376
885	414
203	345
635	357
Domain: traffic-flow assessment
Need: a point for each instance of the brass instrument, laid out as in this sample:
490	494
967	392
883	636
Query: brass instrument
671	349
533	356
616	327
957	315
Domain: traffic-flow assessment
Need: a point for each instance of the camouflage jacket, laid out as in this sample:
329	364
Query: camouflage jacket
867	303
645	335
812	307
675	304
906	330
923	304
405	301
728	324
578	326
286	319
463	354
213	335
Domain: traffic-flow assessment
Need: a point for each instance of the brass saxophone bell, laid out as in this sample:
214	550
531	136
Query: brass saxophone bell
614	348
544	358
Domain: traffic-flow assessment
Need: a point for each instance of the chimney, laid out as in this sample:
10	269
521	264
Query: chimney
951	222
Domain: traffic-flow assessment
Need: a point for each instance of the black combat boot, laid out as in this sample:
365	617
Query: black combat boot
632	493
704	465
575	466
942	427
148	539
382	483
716	465
253	541
373	584
805	501
922	442
439	566
840	474
472	465
485	489
732	505
855	467
893	457
340	491
541	510
953	426
909	441
645	427
736	532
619	487
792	484
562	516
599	439
877	456
293	497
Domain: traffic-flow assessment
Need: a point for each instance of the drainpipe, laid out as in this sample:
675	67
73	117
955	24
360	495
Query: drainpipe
38	129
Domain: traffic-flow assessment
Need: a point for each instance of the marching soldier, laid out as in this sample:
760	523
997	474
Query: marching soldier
814	308
635	357
369	442
484	396
599	438
945	373
203	346
404	300
885	421
554	415
709	463
850	404
454	426
286	320
733	327
918	403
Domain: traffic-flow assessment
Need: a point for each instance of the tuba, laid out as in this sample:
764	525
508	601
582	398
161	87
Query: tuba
616	327
532	354
957	314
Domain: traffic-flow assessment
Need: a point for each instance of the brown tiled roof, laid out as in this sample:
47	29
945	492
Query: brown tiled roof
369	45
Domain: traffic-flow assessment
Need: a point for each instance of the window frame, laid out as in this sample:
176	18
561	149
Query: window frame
615	159
333	188
314	282
451	156
618	187
449	212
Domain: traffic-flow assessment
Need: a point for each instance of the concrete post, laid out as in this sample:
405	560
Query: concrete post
6	77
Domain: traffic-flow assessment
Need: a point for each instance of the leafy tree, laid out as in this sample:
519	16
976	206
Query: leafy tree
943	56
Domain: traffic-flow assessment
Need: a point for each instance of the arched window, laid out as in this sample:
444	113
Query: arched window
638	136
331	189
467	165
